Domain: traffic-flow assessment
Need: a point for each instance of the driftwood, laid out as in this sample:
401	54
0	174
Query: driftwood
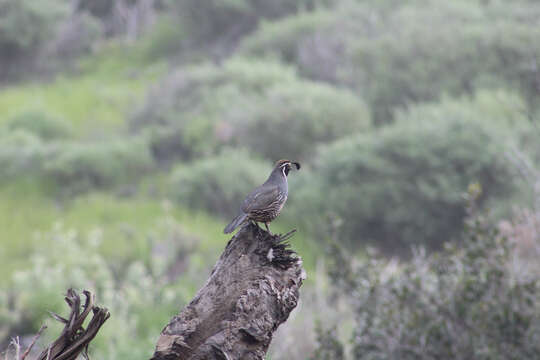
251	291
74	339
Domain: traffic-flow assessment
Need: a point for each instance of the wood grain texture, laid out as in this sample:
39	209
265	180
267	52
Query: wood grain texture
251	291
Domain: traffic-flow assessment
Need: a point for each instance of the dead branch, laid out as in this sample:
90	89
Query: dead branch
34	339
74	338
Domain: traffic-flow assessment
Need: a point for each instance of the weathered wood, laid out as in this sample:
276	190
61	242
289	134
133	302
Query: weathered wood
74	339
251	291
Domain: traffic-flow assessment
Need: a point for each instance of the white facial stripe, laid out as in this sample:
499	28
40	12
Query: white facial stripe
283	167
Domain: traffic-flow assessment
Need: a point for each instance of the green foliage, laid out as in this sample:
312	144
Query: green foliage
40	124
94	102
79	167
72	167
99	8
218	184
141	295
282	38
163	40
392	187
184	92
125	222
21	154
207	21
403	184
398	53
24	27
499	60
454	48
329	347
294	118
74	38
183	113
198	110
464	303
25	24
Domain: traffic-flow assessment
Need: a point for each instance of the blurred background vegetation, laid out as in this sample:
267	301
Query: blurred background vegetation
130	130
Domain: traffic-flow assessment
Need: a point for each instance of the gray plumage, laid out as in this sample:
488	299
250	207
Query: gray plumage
265	202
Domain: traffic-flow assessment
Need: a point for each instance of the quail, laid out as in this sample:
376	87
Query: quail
265	202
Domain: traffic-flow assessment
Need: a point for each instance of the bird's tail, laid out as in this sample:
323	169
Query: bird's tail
237	221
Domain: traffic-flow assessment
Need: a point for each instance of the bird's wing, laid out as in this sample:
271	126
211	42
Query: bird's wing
260	198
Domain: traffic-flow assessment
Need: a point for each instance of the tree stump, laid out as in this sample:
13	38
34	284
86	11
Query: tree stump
252	289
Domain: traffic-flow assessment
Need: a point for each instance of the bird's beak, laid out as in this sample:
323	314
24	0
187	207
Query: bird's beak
297	164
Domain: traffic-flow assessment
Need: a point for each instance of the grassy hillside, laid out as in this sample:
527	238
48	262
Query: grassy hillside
94	98
127	142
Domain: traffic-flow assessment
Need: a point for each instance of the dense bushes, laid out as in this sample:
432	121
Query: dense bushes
450	86
141	294
70	166
463	303
190	91
76	167
21	154
183	113
403	184
484	52
261	105
208	21
162	40
218	184
294	118
282	38
24	26
43	125
399	53
75	37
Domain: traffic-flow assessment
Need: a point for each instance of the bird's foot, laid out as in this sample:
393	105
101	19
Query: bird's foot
259	229
268	229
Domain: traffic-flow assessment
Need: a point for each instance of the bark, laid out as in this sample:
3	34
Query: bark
251	291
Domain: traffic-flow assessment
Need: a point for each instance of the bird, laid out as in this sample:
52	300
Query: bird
265	202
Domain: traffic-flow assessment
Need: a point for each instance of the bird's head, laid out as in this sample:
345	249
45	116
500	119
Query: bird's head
285	166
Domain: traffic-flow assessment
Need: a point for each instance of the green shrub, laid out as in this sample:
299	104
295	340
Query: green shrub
262	105
185	91
24	27
140	295
220	183
70	166
282	38
74	38
21	154
79	167
290	120
101	9
25	24
163	40
40	124
466	302
402	185
455	48
395	53
330	348
208	21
